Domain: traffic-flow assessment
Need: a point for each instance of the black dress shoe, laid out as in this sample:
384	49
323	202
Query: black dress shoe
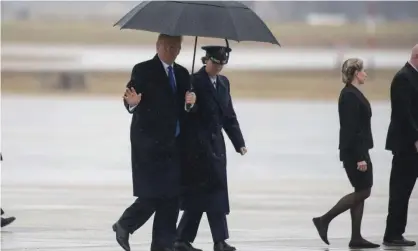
362	244
122	236
184	246
398	242
7	221
322	230
223	246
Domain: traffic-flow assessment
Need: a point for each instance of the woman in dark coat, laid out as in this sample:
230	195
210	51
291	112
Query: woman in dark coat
204	155
355	142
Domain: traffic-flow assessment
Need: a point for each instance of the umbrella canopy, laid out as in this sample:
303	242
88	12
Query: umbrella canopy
216	19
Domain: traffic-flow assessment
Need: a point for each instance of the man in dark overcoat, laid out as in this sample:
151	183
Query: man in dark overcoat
402	140
156	97
204	153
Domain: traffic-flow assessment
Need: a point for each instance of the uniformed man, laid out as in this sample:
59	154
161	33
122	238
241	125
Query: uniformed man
204	174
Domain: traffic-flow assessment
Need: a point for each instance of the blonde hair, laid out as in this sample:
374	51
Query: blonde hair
162	37
349	69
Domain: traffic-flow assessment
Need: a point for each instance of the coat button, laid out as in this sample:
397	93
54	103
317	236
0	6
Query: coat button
213	136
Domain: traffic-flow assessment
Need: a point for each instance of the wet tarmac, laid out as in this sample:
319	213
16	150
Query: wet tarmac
66	177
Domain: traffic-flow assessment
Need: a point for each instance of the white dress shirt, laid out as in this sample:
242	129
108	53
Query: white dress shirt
213	81
165	65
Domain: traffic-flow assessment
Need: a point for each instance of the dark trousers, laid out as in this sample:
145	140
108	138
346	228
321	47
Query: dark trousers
165	219
189	224
402	181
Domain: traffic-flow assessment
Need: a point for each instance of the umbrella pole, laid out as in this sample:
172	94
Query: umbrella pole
188	106
194	53
194	59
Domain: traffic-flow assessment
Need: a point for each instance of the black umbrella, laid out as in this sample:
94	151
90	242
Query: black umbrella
222	19
218	19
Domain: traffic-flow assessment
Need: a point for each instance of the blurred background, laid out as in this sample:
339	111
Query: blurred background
67	47
66	173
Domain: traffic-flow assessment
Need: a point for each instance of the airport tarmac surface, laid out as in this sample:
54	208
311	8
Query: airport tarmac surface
66	176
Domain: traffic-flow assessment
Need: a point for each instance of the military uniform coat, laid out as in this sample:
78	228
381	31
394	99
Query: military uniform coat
204	175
